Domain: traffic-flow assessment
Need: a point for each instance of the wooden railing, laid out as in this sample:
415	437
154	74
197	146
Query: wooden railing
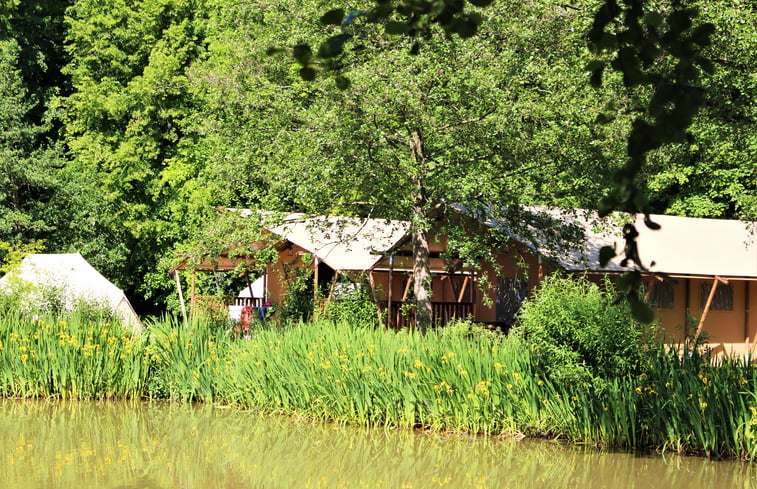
218	305
441	313
246	301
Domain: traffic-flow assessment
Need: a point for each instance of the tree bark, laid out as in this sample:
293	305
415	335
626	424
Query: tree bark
421	279
421	263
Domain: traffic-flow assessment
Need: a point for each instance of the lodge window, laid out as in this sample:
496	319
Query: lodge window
723	300
662	295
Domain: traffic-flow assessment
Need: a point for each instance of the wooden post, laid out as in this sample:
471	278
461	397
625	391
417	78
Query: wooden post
389	296
181	296
648	293
747	306
265	283
715	282
473	295
686	306
316	307
192	294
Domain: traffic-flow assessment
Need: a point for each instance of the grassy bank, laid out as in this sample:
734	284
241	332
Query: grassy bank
453	379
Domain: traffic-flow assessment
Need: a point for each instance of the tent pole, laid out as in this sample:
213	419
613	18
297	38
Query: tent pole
686	306
181	296
746	314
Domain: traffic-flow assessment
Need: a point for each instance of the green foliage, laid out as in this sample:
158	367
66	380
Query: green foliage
165	109
29	169
11	255
715	176
298	303
580	333
684	403
353	307
470	121
465	329
125	126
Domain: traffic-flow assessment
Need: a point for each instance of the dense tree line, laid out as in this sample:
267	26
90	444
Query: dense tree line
126	122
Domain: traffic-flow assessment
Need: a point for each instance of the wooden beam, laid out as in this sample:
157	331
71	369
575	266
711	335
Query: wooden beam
404	298
715	282
652	281
686	306
462	289
333	285
407	288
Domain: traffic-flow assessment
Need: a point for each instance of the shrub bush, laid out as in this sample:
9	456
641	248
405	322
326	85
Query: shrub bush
356	309
581	332
465	329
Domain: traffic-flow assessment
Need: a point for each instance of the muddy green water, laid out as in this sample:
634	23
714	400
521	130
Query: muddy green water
134	445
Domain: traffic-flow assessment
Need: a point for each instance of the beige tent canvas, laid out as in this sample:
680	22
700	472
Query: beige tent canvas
71	276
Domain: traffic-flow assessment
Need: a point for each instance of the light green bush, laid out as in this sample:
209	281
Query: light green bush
581	332
356	308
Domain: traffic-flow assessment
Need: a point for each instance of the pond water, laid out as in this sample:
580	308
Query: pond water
150	446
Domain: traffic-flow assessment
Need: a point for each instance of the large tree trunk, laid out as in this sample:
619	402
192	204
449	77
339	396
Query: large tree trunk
421	278
421	265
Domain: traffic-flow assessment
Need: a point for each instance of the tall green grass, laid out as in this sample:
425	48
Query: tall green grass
443	380
69	356
187	358
369	376
492	385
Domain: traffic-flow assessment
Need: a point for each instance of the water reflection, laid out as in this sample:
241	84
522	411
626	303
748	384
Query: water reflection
146	446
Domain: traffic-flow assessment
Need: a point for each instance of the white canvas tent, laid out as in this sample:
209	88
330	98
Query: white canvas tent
74	278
